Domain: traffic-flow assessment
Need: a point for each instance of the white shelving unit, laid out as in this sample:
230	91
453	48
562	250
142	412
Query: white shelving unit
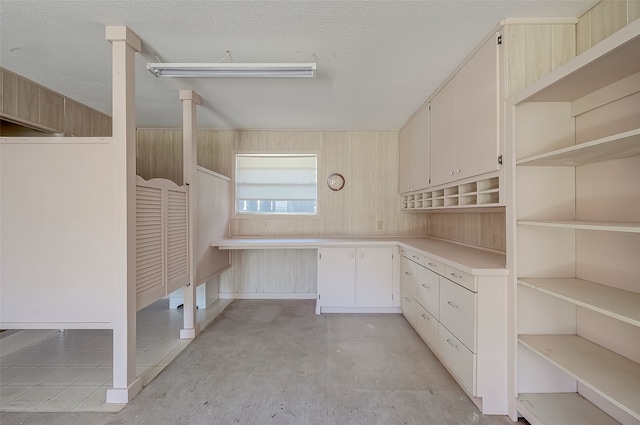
477	193
576	238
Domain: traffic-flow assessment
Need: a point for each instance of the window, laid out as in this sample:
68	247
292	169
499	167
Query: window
277	184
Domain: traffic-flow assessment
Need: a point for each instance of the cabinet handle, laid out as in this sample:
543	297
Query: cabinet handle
432	265
408	299
416	257
452	344
407	273
451	173
351	255
424	285
451	303
361	255
456	276
424	316
457	170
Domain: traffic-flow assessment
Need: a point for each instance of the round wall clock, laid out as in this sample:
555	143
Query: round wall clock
335	181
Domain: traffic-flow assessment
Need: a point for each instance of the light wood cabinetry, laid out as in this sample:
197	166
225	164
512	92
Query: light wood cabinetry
577	238
414	153
461	317
350	277
464	119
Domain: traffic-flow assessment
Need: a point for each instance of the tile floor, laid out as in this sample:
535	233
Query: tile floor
71	370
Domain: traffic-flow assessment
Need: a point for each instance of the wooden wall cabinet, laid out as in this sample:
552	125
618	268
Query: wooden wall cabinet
577	238
350	277
414	153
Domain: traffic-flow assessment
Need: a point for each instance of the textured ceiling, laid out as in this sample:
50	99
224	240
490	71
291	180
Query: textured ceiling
378	61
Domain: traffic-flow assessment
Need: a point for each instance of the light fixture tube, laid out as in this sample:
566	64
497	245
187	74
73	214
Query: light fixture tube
232	69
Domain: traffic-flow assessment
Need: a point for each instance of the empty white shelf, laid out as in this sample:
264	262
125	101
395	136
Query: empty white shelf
561	409
585	225
609	374
618	146
613	302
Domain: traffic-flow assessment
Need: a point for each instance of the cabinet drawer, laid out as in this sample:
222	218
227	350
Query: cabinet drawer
427	327
458	312
413	256
429	291
434	265
460	361
409	278
461	278
408	306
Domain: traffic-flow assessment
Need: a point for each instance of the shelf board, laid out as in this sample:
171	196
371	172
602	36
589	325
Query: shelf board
609	374
618	146
613	302
603	64
585	225
561	409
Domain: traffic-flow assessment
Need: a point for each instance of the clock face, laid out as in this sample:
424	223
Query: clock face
335	181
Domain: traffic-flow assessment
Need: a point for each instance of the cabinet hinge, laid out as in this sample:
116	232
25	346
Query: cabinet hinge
318	296
429	106
500	39
429	181
500	160
320	256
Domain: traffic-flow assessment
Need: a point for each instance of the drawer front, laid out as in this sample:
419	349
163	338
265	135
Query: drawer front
458	312
427	327
460	361
461	278
413	256
408	305
434	265
409	277
429	291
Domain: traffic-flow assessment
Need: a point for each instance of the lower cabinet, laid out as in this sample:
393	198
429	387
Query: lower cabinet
462	318
355	279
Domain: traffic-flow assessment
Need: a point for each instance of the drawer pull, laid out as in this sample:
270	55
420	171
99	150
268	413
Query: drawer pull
451	343
452	304
408	299
424	285
432	265
416	257
456	276
424	316
407	273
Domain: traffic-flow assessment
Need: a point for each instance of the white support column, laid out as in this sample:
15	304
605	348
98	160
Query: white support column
190	100
125	43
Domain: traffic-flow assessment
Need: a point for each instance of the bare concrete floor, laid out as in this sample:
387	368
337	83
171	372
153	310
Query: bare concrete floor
276	362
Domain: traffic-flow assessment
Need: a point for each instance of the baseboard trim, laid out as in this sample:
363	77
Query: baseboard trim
266	296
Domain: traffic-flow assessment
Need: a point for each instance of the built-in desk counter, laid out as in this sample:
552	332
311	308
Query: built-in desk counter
471	260
453	295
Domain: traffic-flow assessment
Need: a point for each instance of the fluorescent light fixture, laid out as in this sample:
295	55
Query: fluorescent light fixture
227	69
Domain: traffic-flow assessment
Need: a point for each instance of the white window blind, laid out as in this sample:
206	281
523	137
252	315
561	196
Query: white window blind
276	183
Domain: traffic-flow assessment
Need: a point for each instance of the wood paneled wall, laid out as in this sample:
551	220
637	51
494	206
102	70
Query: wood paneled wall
33	106
605	18
534	50
483	229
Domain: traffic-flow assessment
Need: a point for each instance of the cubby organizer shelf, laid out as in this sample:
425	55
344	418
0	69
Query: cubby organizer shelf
481	193
611	375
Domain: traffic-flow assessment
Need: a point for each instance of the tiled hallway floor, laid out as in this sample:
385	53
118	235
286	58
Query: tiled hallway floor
71	370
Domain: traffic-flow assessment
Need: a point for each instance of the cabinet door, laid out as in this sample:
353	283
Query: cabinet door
443	143
404	165
336	277
476	113
409	277
374	281
420	149
409	308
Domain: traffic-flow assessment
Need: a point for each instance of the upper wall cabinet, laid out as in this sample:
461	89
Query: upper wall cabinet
464	120
414	153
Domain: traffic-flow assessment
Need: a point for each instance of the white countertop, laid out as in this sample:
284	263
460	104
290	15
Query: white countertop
472	260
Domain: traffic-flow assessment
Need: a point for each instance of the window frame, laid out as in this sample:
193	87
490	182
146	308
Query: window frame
274	216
